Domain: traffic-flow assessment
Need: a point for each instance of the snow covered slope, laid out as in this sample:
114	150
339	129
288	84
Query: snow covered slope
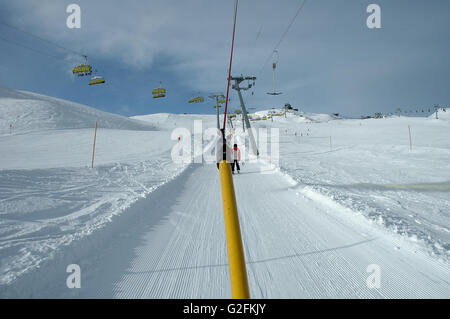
297	245
348	194
295	116
50	198
367	165
443	114
167	121
28	111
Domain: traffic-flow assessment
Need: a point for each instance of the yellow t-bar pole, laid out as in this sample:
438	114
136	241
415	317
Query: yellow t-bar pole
236	258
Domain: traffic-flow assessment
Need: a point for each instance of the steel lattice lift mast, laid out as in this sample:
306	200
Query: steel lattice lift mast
237	81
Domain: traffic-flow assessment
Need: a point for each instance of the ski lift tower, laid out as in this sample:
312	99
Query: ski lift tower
217	97
237	81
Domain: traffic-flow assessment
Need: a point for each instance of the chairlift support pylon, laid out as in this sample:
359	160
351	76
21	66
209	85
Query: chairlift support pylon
237	81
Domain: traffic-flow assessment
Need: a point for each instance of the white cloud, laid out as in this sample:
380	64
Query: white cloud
194	34
326	51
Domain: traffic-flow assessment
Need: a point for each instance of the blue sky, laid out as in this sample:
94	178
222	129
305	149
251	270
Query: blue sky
329	61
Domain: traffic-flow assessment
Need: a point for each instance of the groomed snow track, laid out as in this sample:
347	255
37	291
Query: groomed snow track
298	244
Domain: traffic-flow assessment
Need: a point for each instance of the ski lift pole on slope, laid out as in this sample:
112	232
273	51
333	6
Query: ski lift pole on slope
236	257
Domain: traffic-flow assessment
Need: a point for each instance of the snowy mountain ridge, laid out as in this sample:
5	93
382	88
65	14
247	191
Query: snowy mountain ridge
28	112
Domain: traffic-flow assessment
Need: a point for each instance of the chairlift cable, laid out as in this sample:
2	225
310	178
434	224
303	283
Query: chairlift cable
31	49
299	10
231	62
42	39
80	70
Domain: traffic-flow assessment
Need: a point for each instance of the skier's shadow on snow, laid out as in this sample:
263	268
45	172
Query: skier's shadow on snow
298	255
245	173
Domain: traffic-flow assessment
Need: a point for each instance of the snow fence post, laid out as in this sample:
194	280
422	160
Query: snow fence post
93	147
410	141
236	258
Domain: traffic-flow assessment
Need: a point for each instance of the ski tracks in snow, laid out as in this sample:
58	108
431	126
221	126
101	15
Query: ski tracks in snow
297	245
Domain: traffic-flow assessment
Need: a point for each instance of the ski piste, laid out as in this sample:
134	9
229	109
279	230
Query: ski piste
339	110
141	226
